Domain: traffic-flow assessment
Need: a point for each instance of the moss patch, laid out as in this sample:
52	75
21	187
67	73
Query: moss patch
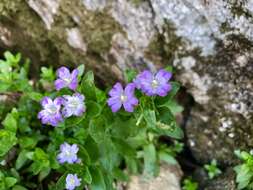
50	47
162	48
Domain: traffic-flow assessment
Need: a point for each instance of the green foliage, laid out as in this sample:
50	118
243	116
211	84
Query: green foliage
212	169
244	171
107	141
188	184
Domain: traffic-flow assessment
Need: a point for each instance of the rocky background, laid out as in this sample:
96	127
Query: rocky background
209	43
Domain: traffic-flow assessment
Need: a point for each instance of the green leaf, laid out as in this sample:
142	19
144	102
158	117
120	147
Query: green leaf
93	109
18	187
35	96
92	149
244	176
164	156
47	74
12	59
84	155
10	181
44	173
130	74
124	148
118	174
97	129
41	161
10	121
80	69
86	175
167	124
98	182
150	160
169	68
61	182
159	101
174	107
172	130
22	158
7	141
150	118
88	87
28	142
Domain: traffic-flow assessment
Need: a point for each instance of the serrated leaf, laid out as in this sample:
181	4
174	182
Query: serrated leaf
7	141
10	121
10	182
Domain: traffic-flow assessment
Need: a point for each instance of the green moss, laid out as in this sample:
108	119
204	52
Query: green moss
50	47
164	47
7	6
137	2
238	10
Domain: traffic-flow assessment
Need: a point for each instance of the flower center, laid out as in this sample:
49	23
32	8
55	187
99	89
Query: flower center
73	103
67	80
52	109
123	98
68	153
72	181
154	83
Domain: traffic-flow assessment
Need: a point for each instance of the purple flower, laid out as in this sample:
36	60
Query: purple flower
66	79
68	153
51	111
120	96
73	105
72	181
151	84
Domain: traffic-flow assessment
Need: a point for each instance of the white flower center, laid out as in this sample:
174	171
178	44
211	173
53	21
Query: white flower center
68	153
73	103
154	83
52	109
72	181
123	98
67	80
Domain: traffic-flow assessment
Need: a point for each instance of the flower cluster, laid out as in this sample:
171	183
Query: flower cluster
53	112
149	83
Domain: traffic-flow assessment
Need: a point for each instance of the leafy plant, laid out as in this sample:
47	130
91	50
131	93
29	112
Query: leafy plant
244	171
212	169
73	139
188	184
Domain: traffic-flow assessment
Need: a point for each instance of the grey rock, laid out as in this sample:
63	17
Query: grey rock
168	179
